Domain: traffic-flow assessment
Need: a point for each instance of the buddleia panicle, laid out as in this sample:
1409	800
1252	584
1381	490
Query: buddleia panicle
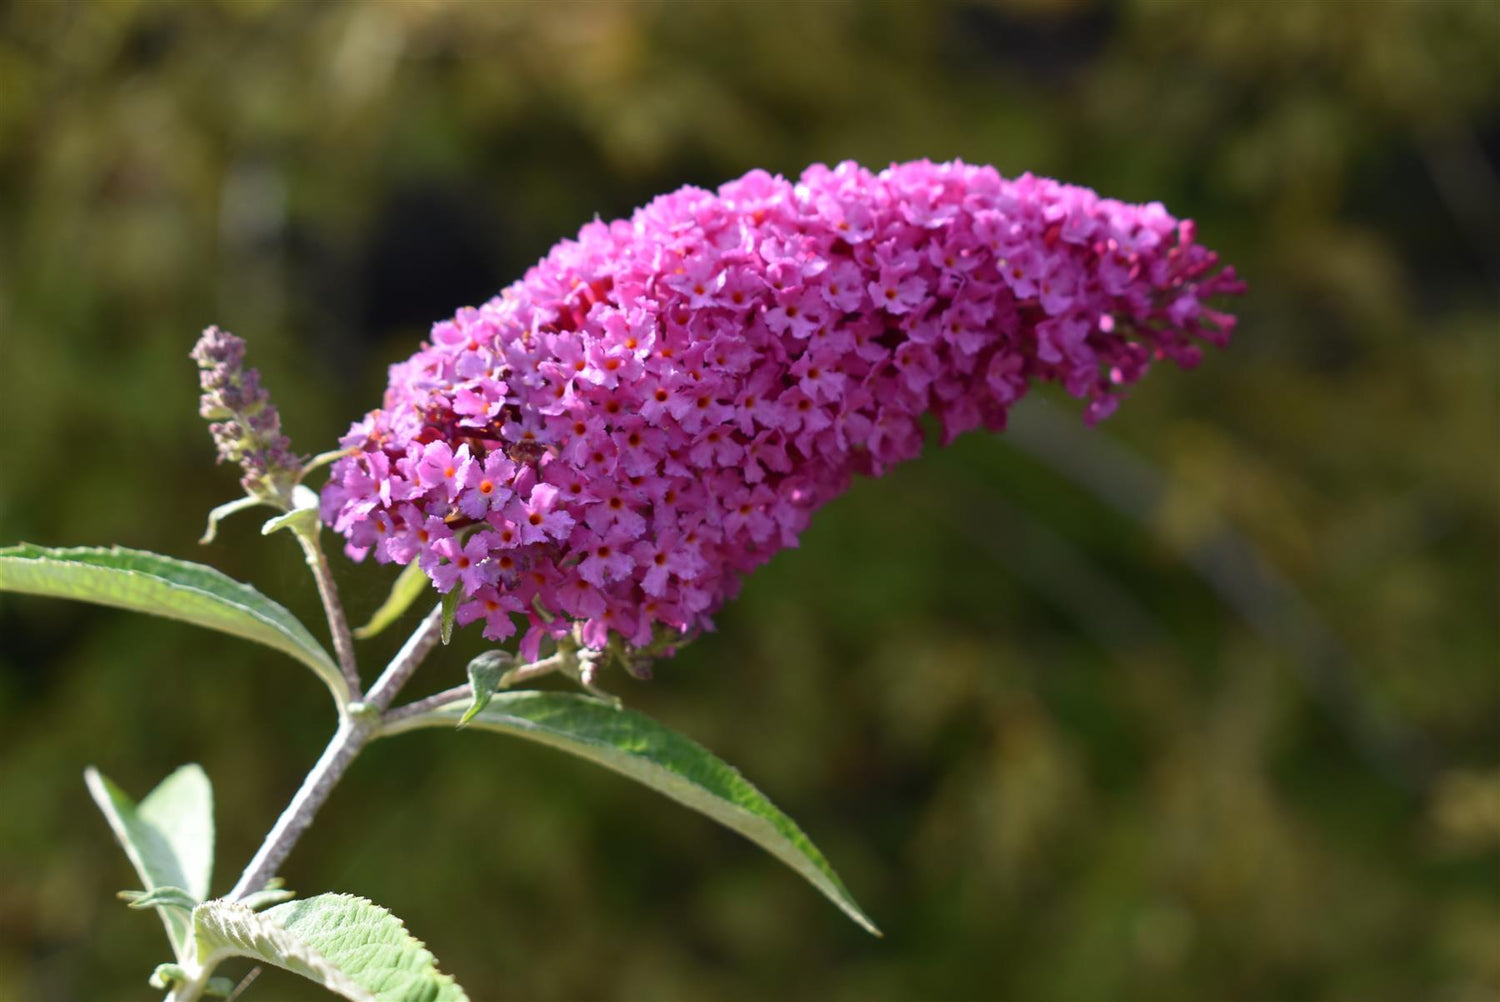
660	405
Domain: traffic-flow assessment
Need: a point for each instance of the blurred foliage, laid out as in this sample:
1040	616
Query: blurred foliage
1201	705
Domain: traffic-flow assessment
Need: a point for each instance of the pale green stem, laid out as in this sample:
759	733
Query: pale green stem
358	723
391	722
525	673
196	984
393	718
193	988
422	640
356	726
338	626
354	730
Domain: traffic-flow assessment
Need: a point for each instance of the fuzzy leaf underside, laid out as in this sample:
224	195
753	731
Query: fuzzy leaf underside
182	808
348	945
636	746
163	586
168	837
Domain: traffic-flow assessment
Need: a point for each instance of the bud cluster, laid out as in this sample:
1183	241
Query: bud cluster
245	425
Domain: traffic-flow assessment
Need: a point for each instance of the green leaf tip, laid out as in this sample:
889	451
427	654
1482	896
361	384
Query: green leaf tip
302	520
323	459
167	976
408	587
222	512
485	674
450	607
163	586
266	898
169	839
350	946
161	897
634	745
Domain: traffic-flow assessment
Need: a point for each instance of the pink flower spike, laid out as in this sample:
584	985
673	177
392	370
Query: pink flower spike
662	403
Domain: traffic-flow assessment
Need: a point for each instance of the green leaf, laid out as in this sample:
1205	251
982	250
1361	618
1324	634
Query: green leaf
162	586
450	608
166	976
182	808
485	673
162	897
224	511
298	520
302	518
169	837
218	988
265	898
323	459
410	585
346	944
642	749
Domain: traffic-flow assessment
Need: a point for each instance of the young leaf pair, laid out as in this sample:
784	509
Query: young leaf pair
346	944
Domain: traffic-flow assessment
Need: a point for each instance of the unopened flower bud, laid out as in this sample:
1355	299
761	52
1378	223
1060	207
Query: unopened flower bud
246	426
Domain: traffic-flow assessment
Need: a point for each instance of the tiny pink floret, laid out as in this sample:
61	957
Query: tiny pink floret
661	404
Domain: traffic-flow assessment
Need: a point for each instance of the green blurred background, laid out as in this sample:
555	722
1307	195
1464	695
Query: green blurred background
1202	705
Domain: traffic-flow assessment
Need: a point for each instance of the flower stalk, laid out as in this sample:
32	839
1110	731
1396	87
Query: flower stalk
359	721
423	639
338	624
354	731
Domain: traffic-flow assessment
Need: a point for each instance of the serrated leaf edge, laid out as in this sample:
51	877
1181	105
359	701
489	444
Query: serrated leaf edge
288	947
291	946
